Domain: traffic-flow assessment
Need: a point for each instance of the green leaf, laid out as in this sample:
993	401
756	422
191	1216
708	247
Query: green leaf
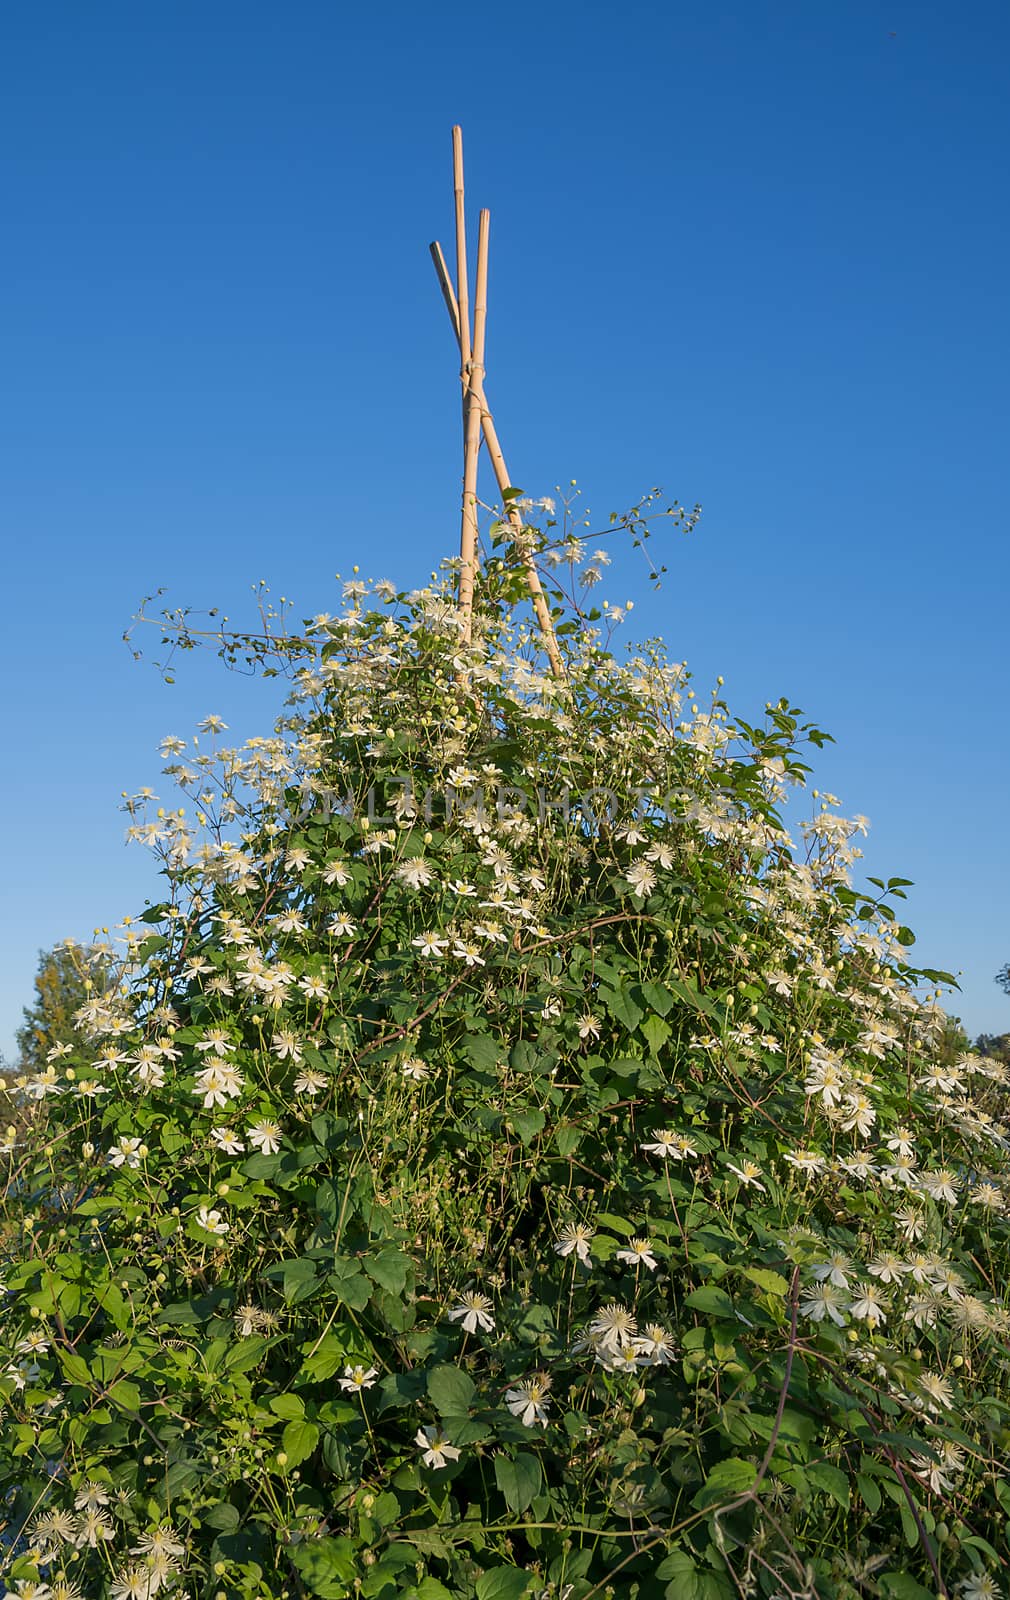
899	1586
328	1567
401	1389
661	1000
299	1439
75	1367
389	1268
764	1278
567	1139
289	1407
869	1491
726	1480
712	1301
685	1582
502	1583
224	1517
832	1480
481	1050
246	1354
519	1480
607	1219
349	1283
528	1124
125	1395
324	1361
620	1004
656	1032
525	1057
451	1390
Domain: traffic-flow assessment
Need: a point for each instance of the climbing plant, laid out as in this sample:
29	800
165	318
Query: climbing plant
515	1157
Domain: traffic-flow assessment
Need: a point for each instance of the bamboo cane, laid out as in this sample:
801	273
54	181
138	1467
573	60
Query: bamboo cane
471	447
520	533
471	429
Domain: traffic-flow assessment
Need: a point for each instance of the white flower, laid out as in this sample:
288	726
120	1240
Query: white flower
414	1069
474	1311
641	879
749	1173
436	1451
589	1027
216	1040
312	987
575	1236
431	945
941	1184
661	855
134	1583
161	1541
888	1267
910	1224
834	1270
870	1306
654	1347
337	873
34	1343
806	1161
937	1390
940	1474
824	1300
128	1152
310	1083
858	1114
979	1586
285	1046
613	1328
529	1400
343	926
356	1378
227	1141
638	1253
468	953
92	1529
218	1084
664	1144
857	1167
212	1221
415	873
902	1142
265	1135
91	1496
901	1170
826	1079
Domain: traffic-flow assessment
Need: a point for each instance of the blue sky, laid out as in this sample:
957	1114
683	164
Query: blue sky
755	252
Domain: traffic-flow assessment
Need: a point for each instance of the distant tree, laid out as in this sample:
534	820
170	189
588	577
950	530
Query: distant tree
994	1044
954	1041
67	975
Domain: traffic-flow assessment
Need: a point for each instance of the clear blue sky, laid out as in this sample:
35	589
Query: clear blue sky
756	252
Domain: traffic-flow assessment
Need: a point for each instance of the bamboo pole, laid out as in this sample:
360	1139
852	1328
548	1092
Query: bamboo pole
520	533
471	414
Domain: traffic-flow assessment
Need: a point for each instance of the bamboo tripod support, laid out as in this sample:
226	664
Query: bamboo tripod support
477	418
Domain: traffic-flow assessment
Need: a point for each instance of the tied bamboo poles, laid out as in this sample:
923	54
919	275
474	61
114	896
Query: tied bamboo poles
477	418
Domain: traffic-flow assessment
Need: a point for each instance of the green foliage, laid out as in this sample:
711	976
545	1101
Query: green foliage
518	1167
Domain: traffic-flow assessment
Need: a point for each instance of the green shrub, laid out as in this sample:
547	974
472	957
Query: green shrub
540	1176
